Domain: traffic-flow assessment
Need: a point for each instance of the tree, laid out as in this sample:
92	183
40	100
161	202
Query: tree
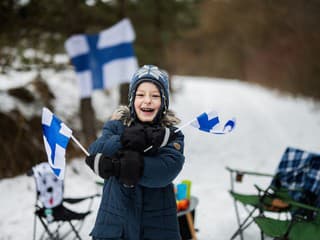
45	25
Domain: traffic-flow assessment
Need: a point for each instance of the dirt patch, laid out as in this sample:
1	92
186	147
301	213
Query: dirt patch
21	139
22	94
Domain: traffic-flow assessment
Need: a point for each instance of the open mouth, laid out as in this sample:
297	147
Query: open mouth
147	110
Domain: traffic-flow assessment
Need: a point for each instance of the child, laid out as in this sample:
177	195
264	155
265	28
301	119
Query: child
138	200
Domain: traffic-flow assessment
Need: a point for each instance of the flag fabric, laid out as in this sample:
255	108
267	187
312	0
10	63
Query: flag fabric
56	136
103	60
210	122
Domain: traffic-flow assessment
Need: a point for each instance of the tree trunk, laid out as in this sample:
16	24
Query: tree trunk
124	90
124	87
88	120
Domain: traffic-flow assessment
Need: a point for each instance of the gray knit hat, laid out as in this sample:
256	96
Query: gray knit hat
150	73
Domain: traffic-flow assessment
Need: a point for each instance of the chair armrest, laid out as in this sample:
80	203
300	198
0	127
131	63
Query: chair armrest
76	200
244	172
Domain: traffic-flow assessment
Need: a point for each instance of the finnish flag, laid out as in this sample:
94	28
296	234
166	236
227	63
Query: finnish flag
103	60
56	136
210	122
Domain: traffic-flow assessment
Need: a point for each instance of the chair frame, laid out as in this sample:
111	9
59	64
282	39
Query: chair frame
295	188
291	219
54	232
236	175
52	228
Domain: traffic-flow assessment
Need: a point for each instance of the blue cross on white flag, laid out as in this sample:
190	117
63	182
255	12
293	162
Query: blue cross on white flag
209	122
56	136
103	60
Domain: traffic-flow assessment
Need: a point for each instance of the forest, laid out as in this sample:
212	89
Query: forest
274	43
271	43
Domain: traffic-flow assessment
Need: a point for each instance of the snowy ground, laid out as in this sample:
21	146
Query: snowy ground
267	122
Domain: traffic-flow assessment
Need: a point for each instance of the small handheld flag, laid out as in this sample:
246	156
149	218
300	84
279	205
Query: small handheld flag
210	122
56	136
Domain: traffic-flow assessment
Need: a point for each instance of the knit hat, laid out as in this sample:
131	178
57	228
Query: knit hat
150	73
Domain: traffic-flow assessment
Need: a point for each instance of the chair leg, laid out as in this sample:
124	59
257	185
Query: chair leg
243	226
47	229
75	231
262	235
238	220
34	226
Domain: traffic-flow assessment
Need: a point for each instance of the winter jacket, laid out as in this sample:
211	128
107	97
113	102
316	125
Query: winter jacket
147	211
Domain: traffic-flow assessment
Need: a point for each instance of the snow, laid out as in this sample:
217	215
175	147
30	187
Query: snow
267	122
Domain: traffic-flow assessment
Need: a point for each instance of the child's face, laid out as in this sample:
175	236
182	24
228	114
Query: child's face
147	101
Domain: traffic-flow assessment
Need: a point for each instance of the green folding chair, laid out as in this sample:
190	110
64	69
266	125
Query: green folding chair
299	227
271	200
294	190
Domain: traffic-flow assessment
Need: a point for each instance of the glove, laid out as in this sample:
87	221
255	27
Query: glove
104	166
126	165
133	138
159	136
131	166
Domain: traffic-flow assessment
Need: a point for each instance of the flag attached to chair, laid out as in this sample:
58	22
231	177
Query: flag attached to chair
103	60
56	136
209	122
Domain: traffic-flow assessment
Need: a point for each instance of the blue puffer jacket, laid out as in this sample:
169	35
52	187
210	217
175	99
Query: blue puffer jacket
147	211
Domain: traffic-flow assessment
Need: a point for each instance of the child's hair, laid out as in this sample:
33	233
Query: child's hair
150	73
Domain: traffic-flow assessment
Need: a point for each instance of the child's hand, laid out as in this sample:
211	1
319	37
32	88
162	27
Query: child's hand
127	165
133	138
159	136
103	166
131	163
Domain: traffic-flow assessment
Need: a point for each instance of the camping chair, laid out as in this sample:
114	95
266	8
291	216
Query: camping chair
293	191
50	209
299	173
251	203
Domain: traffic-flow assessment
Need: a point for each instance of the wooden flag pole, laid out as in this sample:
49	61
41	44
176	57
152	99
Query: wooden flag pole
79	144
175	131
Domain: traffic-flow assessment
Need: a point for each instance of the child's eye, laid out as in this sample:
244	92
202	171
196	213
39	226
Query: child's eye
155	95
139	95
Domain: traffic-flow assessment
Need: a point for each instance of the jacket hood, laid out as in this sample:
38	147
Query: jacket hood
159	77
123	114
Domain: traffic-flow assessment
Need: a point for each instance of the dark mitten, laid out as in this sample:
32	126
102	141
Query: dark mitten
159	136
131	166
133	137
103	166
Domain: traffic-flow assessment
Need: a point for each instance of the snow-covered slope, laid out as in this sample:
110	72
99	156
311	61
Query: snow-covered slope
267	122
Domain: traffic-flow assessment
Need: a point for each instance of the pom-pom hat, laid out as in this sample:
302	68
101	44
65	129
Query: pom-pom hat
150	73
